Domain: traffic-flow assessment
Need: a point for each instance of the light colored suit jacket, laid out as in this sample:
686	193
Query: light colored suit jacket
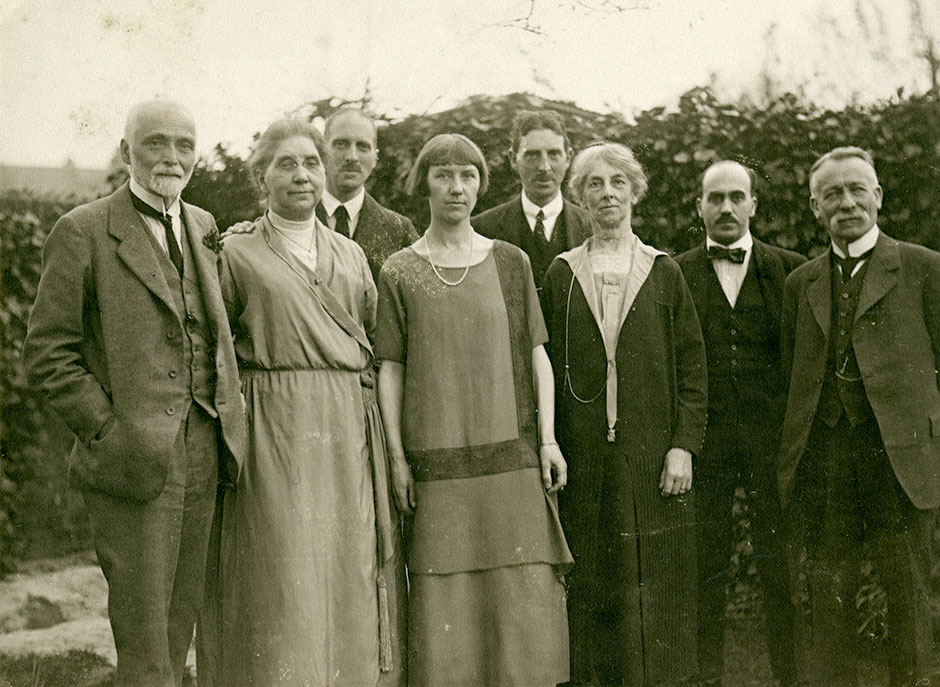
896	339
105	343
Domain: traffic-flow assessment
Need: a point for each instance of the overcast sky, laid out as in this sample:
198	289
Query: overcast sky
69	69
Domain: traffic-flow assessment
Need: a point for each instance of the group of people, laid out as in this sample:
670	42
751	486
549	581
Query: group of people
501	453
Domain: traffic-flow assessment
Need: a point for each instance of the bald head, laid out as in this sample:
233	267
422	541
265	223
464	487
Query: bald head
159	145
727	204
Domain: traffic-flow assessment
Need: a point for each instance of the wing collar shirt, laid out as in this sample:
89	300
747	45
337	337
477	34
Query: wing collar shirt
353	208
731	275
156	228
550	210
859	246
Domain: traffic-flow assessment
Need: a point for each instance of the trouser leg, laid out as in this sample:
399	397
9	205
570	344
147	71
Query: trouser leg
714	499
139	547
773	565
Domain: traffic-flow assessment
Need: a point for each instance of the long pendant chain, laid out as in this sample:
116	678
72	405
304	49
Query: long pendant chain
466	270
307	248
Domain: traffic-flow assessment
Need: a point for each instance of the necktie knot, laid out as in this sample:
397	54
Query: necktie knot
733	255
539	228
848	264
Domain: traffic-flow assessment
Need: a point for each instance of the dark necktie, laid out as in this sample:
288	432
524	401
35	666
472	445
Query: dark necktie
342	221
735	255
539	229
847	264
172	247
321	214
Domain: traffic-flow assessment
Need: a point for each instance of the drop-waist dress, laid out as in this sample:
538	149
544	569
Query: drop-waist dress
486	551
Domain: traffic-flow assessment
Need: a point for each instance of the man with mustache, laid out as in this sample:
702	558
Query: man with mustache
737	285
129	343
539	220
859	457
346	207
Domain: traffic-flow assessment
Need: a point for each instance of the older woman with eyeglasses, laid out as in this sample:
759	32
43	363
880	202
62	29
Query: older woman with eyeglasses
304	592
630	391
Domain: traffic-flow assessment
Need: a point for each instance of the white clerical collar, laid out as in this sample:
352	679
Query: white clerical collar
155	201
746	242
862	244
353	205
551	209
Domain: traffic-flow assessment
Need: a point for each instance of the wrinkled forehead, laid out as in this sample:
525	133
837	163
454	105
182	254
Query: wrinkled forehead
352	125
165	118
843	171
725	178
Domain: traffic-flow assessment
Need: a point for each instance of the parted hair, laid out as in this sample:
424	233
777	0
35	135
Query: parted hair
615	154
530	120
841	153
274	135
445	149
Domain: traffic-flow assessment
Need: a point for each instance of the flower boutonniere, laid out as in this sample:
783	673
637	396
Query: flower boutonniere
213	241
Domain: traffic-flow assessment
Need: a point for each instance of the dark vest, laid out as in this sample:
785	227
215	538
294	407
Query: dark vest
845	391
198	370
541	253
742	343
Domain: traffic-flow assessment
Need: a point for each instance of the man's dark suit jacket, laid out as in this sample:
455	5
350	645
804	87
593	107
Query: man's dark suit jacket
896	340
762	410
380	232
508	222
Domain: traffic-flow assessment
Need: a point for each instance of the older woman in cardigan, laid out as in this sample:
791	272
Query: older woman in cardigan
629	365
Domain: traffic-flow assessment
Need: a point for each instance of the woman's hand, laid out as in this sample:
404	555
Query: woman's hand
553	464
243	227
677	473
403	485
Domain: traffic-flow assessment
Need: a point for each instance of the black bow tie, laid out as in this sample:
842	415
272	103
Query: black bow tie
735	255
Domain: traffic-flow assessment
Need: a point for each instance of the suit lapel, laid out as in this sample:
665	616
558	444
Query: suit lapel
517	220
134	248
573	230
368	220
697	275
882	274
819	291
770	277
206	267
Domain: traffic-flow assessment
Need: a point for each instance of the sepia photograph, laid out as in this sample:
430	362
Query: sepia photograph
513	343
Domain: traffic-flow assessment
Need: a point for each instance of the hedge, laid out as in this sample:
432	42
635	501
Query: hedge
40	516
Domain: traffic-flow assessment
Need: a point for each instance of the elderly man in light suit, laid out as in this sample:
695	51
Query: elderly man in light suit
129	343
859	458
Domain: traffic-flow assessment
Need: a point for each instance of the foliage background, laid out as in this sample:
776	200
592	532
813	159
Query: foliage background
779	139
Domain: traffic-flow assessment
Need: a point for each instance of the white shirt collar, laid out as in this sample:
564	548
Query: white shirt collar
155	201
353	205
863	243
551	209
746	242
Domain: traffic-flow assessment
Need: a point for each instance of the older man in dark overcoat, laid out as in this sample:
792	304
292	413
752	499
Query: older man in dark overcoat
859	458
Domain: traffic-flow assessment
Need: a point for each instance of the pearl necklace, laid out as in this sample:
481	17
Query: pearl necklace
466	270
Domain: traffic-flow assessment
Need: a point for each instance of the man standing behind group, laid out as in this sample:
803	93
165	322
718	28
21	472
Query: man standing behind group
539	220
860	448
352	151
737	284
129	343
